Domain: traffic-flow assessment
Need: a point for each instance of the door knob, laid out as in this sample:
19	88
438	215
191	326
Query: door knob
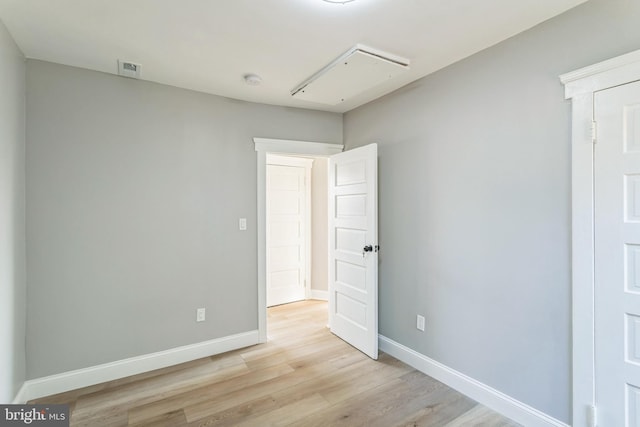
366	249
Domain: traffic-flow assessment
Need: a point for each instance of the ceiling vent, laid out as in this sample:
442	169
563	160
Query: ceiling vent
356	71
128	69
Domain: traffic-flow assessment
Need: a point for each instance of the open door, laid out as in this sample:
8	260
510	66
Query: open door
353	248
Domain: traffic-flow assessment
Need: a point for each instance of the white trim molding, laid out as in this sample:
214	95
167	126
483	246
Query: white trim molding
264	146
284	146
59	383
319	295
580	86
480	392
603	75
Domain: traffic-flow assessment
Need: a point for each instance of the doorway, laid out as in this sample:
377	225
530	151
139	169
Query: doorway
604	198
264	147
352	234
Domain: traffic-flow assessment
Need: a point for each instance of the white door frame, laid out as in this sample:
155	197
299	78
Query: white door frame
276	146
580	87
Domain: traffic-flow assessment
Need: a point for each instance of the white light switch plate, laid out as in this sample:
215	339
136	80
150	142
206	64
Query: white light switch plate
200	315
242	224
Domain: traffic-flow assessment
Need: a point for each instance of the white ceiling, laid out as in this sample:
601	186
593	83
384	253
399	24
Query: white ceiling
208	45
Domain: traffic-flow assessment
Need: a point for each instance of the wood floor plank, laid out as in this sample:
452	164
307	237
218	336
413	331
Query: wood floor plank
384	370
206	393
316	349
289	382
480	416
297	360
168	419
417	401
236	412
360	410
293	412
303	376
152	389
304	382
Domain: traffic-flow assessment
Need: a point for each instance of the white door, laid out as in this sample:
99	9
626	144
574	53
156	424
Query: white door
617	256
286	216
353	250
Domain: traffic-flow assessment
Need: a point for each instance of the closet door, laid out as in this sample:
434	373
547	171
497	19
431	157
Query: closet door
617	255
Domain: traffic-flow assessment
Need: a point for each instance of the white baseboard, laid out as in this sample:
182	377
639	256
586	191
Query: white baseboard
59	383
319	295
483	394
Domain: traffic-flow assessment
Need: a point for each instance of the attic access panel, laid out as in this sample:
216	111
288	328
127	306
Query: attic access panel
358	70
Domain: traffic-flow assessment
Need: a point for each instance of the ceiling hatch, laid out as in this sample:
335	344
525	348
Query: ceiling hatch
354	72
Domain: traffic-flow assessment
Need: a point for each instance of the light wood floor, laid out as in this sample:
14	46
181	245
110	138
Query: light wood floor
304	376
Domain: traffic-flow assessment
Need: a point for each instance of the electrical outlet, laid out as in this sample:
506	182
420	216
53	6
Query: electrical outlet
200	314
242	224
420	322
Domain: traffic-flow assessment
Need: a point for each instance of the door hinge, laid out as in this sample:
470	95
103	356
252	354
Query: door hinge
594	132
592	416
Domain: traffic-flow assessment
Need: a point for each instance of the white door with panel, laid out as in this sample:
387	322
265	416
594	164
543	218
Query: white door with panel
617	255
353	248
287	229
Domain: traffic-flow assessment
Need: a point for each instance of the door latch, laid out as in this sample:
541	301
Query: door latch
370	248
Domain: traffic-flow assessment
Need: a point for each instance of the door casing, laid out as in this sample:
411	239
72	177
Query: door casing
580	86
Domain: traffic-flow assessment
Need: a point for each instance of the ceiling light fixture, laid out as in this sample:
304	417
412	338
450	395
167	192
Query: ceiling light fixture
338	1
252	79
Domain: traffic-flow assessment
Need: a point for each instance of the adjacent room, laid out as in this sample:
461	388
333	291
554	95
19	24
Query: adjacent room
419	189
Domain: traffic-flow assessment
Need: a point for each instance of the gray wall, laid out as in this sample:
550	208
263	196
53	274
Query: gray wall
12	217
319	224
475	204
134	191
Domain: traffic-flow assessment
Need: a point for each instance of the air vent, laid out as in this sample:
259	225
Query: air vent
128	69
354	72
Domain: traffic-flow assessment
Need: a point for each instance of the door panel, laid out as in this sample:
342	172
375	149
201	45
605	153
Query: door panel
353	273
286	210
617	256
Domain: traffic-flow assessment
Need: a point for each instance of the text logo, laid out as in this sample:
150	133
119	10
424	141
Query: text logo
34	415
